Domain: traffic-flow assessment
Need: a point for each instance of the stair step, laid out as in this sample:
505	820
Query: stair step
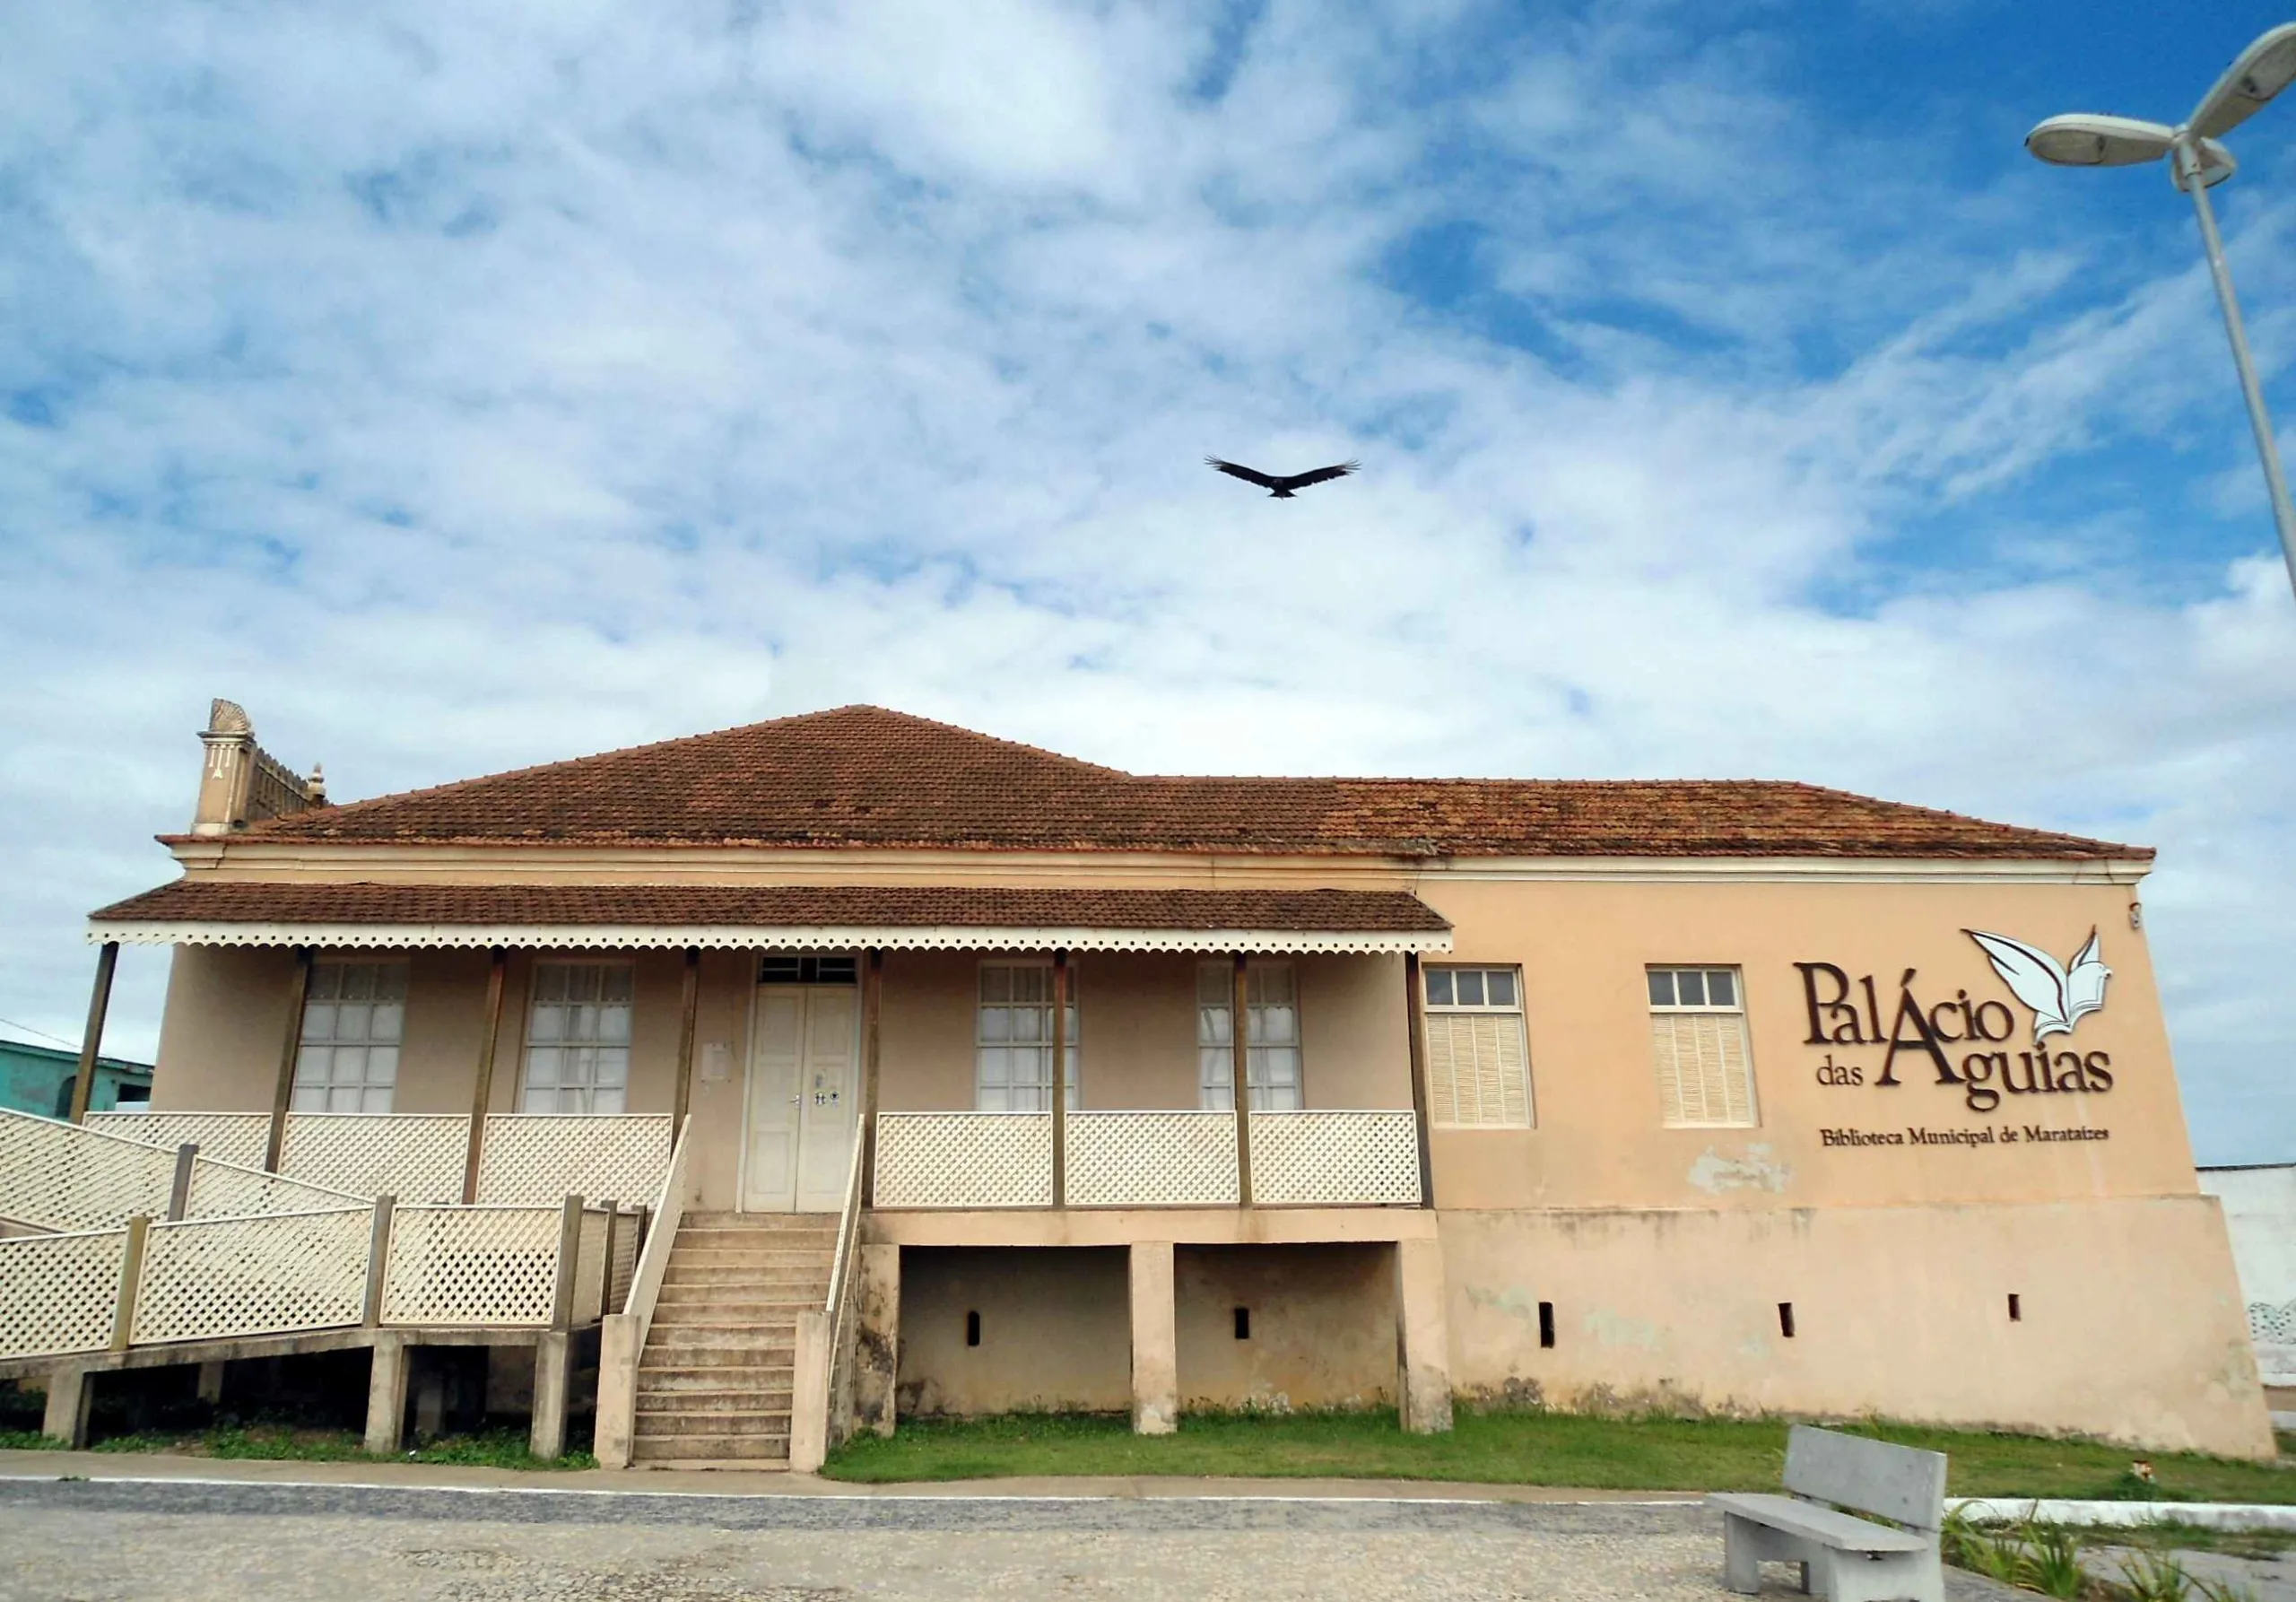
793	1288
693	1218
756	1417
753	1335
705	1384
696	1269
705	1450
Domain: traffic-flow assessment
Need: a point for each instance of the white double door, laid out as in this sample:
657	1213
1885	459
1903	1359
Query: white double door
803	1091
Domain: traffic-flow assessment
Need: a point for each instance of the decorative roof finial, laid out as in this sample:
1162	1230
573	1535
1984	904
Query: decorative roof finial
227	718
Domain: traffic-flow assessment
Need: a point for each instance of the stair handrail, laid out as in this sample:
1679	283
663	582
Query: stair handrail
621	1338
822	1361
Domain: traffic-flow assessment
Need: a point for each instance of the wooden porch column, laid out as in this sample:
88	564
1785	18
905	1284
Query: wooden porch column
1060	1079
282	1094
1414	1013
872	1010
1240	1043
483	1093
689	999
91	1038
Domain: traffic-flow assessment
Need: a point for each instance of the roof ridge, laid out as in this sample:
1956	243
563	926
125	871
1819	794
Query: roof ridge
339	809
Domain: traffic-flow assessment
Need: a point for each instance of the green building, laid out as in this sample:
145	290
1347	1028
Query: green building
39	1079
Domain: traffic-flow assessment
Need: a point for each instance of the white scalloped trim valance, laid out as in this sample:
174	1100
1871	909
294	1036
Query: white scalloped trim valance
651	937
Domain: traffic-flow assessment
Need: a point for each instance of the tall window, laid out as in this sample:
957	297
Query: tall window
1698	1045
1478	1062
1270	1036
577	1038
1013	1039
347	1060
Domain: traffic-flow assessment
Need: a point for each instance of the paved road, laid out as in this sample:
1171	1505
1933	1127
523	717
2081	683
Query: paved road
100	1541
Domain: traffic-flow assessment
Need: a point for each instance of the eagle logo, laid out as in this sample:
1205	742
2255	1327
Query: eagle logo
2060	995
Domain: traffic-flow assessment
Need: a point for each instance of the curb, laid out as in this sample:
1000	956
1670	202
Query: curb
2208	1515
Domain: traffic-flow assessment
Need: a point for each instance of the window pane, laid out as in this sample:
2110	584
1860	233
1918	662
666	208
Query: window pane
1280	1025
1662	987
995	1024
309	1098
613	1069
1468	983
1214	982
549	982
349	1064
359	981
614	1024
343	1099
1721	987
1689	984
995	984
375	1099
542	1066
607	1101
615	984
1438	987
382	1065
318	1020
388	1022
1501	983
327	983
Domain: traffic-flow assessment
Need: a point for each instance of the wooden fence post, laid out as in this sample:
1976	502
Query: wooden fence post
131	1276
1239	1070
1060	1079
605	1274
378	1260
482	1089
179	1191
569	1263
91	1038
283	1093
1414	1013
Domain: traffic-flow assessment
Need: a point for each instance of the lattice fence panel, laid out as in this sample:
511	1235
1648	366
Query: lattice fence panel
458	1267
625	1261
219	1190
64	1178
58	1291
964	1160
236	1137
411	1157
207	1278
530	1158
1152	1158
1334	1159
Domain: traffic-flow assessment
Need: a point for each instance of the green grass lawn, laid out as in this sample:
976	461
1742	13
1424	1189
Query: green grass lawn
1541	1449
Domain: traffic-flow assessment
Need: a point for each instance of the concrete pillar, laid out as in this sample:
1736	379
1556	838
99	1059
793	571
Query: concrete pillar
810	1401
618	1354
69	1392
876	1338
385	1394
1423	1338
430	1400
211	1383
554	1374
1155	1340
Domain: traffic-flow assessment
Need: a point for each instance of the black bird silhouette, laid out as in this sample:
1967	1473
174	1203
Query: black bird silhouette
1281	487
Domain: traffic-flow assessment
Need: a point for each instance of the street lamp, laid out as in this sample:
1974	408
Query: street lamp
2197	163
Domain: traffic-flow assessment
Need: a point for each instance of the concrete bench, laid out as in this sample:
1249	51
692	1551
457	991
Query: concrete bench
1843	1557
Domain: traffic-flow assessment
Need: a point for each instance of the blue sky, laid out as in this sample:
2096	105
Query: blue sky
459	388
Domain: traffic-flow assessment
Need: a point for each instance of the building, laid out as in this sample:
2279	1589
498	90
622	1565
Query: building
1731	1096
2259	1202
40	1079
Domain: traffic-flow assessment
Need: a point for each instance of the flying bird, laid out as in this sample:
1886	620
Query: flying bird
2059	996
1279	488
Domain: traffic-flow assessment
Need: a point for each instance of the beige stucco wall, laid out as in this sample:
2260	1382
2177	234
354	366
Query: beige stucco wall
1584	948
2131	1328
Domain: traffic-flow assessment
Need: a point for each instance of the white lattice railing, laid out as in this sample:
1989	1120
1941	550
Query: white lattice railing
1152	1158
60	1177
963	1160
219	1190
414	1157
1334	1159
464	1267
59	1293
208	1278
235	1137
529	1159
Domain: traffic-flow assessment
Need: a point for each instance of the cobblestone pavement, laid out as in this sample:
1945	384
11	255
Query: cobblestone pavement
121	1542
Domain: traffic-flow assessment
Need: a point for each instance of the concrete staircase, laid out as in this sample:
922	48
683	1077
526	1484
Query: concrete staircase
714	1381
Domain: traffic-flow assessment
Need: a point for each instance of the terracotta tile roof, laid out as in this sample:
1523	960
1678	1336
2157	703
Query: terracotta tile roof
224	902
866	777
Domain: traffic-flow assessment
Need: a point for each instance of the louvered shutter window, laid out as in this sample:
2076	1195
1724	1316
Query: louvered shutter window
1698	1049
1478	1065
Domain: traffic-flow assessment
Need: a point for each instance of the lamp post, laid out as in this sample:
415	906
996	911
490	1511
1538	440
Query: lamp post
2196	163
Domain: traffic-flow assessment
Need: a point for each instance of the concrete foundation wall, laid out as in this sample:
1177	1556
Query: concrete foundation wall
1322	1323
2129	1328
1055	1330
